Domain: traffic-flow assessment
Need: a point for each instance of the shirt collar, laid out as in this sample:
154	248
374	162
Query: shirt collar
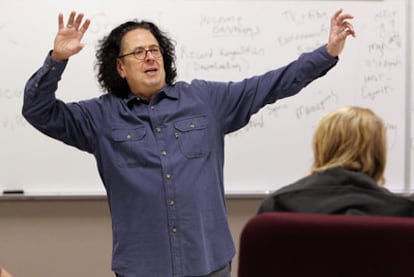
168	91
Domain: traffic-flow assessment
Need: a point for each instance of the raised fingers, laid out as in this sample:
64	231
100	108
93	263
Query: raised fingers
340	23
340	18
336	15
74	21
60	21
78	21
349	29
85	26
343	17
71	19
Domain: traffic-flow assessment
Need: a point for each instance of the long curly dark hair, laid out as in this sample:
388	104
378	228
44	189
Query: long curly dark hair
109	49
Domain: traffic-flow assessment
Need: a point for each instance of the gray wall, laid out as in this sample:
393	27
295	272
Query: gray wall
68	238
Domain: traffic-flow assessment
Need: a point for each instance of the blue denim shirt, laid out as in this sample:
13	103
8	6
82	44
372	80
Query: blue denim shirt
161	162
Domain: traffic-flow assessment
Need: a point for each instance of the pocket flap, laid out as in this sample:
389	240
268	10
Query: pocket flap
189	124
128	134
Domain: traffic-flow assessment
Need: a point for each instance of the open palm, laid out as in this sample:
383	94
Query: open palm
68	39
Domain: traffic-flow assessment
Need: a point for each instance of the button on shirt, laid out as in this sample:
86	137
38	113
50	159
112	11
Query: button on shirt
161	162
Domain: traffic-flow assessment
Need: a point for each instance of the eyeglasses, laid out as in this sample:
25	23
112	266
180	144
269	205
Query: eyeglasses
141	53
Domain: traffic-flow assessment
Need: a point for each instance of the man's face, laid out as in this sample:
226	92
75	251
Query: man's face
145	77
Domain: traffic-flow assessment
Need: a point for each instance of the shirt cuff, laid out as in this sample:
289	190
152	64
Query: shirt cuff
53	65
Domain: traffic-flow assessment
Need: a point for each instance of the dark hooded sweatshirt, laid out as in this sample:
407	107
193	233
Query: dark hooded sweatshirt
338	191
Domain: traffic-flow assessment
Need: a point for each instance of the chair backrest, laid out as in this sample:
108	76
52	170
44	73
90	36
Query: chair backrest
295	244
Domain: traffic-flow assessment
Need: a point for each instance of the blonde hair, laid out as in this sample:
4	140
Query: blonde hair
353	138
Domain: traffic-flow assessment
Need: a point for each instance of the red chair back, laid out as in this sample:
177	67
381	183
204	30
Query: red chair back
294	244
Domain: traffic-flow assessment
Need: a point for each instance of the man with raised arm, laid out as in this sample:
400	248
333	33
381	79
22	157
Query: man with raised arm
158	143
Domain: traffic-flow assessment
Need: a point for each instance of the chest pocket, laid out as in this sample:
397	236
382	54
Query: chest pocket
192	135
129	146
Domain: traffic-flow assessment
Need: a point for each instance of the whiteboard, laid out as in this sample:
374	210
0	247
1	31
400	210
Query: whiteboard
216	40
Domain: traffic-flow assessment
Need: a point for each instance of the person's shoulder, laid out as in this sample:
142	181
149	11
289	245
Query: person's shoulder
99	99
302	183
272	201
313	181
297	185
197	85
185	84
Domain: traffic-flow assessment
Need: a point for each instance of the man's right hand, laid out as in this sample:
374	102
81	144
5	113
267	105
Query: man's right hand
68	39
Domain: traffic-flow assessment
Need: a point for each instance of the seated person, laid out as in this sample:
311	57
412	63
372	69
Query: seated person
349	148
